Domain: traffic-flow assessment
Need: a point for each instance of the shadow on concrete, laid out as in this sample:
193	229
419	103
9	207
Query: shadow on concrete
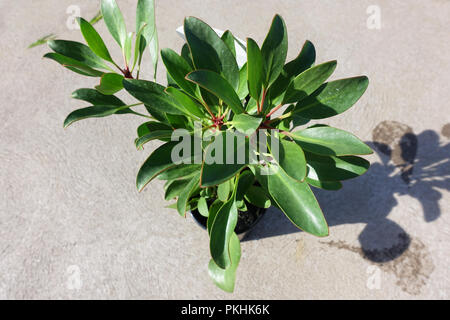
370	198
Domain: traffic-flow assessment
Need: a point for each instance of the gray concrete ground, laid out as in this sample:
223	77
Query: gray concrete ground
72	224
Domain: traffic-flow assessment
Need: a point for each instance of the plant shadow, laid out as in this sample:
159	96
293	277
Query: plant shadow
405	169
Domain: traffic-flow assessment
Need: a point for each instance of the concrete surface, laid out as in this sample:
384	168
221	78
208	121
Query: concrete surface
72	224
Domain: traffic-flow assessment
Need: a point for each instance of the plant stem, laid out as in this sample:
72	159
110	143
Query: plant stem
274	110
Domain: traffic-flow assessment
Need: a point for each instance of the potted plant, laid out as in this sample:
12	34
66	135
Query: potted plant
226	183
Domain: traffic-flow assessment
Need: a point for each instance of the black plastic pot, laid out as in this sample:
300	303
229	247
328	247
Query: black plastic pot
246	220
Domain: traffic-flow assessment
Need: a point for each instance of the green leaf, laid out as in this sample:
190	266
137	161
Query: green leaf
308	81
296	200
335	168
255	69
202	207
42	40
153	94
228	38
222	230
302	62
225	279
154	49
332	98
79	52
93	39
186	54
274	50
156	163
145	13
96	98
246	180
223	191
190	188
73	65
257	197
246	124
209	51
219	86
243	86
291	159
180	171
163	135
114	21
213	209
191	107
91	112
128	48
151	126
326	185
174	188
330	141
221	165
110	83
139	46
178	68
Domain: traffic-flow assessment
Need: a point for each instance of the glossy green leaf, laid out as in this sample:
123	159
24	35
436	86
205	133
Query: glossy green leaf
222	230
228	38
291	159
180	171
152	126
246	180
225	279
256	73
91	112
330	141
257	197
332	98
219	86
246	124
127	49
191	187
153	94
186	55
191	107
243	86
139	46
209	51
159	134
145	14
79	52
326	185
110	83
174	188
223	191
202	207
73	65
296	200
308	81
93	39
274	50
154	50
178	68
220	165
302	62
96	98
213	209
114	21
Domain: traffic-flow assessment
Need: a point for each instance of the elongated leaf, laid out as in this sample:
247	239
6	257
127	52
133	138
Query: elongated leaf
96	98
243	86
219	86
178	68
308	81
223	191
326	185
221	232
154	49
186	55
202	207
332	98
180	171
114	21
73	65
246	124
291	159
302	62
110	83
335	168
209	51
228	38
257	197
160	135
191	187
330	141
145	13
274	49
191	107
93	39
246	180
223	159
256	73
297	201
91	112
213	209
152	94
151	126
127	49
174	188
225	279
139	46
79	52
